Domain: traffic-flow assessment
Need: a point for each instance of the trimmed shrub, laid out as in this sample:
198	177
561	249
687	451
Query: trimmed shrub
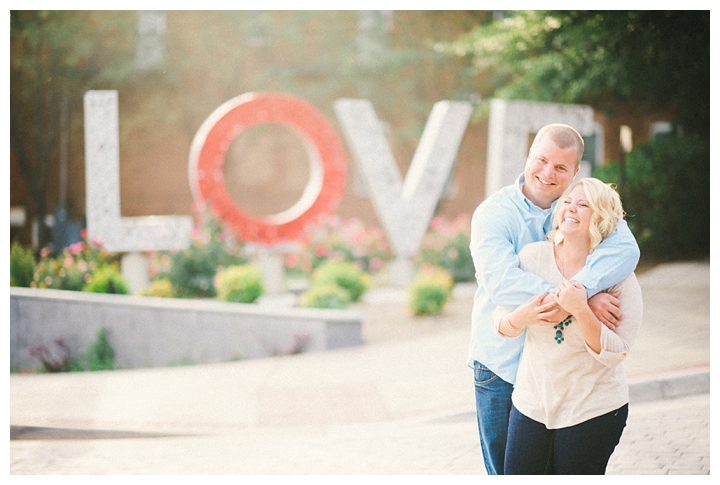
107	279
325	296
430	290
161	288
344	274
22	265
239	284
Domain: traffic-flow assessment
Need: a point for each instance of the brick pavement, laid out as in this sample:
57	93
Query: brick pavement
665	437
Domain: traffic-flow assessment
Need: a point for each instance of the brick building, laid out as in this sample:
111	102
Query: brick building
318	56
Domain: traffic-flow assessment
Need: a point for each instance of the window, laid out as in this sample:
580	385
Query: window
150	46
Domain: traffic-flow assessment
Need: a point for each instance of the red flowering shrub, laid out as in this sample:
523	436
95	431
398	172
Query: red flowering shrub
336	240
447	245
73	268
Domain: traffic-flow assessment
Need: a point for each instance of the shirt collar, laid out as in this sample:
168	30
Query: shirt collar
518	187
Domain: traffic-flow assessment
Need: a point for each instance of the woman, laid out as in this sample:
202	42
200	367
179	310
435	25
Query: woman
570	401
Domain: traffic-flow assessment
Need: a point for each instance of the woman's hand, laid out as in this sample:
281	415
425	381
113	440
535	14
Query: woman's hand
571	296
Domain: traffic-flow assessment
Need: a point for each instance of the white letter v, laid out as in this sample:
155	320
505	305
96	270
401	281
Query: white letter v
404	209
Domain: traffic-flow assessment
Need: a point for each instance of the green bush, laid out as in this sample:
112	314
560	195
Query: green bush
192	271
100	354
239	284
161	288
107	279
344	274
430	290
666	195
326	296
22	265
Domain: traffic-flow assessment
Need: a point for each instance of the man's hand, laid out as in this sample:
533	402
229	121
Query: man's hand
606	308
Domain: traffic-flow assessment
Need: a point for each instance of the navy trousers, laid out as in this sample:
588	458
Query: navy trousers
583	449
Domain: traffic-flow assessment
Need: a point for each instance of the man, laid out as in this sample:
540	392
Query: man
501	225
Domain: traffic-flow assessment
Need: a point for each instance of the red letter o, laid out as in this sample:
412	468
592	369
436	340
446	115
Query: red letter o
325	148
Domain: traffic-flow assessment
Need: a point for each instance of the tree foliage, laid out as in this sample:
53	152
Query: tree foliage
657	59
54	57
666	195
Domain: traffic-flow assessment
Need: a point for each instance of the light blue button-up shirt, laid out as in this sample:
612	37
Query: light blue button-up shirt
501	226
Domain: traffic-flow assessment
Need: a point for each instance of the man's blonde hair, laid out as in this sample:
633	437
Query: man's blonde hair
605	203
564	136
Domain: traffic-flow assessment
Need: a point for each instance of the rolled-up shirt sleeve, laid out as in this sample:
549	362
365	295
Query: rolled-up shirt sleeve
615	344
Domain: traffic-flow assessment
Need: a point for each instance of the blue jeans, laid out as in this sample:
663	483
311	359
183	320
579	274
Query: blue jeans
583	449
492	403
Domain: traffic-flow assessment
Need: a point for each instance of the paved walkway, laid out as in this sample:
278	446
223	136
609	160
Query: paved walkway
397	407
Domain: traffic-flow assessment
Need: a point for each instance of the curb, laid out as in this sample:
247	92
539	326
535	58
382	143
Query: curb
671	385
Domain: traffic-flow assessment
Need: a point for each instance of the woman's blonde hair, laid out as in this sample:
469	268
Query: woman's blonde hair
605	203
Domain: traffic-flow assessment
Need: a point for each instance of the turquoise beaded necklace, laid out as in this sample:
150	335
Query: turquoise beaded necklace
559	338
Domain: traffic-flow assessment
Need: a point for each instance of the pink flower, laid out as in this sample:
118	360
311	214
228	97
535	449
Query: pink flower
359	252
375	264
76	248
436	223
291	260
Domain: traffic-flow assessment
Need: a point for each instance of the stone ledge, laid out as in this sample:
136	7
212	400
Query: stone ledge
670	385
156	332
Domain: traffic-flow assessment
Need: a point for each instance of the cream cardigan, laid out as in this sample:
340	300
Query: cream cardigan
565	384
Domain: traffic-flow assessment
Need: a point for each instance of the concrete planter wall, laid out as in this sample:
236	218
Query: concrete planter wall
155	332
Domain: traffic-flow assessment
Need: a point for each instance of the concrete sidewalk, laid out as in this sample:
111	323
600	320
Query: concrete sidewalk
399	407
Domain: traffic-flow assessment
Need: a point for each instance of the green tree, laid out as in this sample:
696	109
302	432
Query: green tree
54	57
654	59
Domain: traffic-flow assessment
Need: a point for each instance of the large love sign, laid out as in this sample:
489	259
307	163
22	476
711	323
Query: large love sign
404	207
324	147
